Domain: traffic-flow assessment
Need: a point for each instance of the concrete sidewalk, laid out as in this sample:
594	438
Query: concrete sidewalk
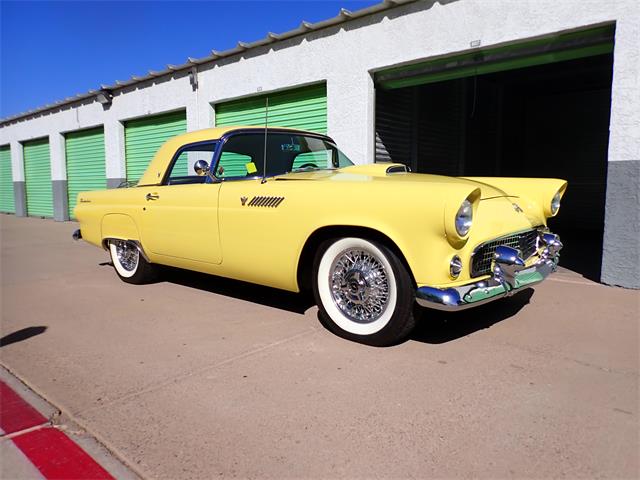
196	377
37	442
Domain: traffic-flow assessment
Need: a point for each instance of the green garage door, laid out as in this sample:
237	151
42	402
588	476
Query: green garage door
37	172
144	137
85	163
304	108
6	181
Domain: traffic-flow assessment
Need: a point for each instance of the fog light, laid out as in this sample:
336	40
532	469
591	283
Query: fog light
455	267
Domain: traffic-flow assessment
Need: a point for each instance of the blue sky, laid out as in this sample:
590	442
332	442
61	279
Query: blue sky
51	50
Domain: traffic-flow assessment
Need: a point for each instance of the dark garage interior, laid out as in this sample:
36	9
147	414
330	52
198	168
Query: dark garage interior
549	120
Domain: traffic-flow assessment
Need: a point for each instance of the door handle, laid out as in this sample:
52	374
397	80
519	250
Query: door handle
152	196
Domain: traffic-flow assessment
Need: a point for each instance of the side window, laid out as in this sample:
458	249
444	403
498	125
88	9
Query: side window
233	164
182	170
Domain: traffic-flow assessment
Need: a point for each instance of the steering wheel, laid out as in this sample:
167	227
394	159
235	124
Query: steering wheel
308	165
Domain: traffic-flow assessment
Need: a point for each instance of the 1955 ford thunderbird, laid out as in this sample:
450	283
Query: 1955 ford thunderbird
287	209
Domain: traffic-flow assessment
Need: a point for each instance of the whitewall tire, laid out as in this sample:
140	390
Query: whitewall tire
363	291
129	263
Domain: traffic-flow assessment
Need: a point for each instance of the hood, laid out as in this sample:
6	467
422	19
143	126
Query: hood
394	173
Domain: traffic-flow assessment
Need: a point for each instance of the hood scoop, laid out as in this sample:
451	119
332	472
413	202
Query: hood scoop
397	168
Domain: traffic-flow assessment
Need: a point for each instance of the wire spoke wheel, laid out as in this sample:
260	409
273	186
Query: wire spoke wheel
128	255
363	291
130	263
360	285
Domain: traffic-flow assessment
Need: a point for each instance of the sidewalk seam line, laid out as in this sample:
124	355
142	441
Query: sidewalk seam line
98	438
206	368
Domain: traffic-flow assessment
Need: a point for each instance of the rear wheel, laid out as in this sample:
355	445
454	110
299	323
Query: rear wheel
129	263
363	291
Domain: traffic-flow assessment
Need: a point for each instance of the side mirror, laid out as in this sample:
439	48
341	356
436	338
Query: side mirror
201	167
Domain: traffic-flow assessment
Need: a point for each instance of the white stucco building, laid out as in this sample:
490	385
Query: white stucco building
461	87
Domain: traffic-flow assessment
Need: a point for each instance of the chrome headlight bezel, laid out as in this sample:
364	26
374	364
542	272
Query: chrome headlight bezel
464	218
455	267
554	206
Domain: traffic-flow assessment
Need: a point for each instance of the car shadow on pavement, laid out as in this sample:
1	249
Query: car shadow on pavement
22	334
433	326
438	327
270	297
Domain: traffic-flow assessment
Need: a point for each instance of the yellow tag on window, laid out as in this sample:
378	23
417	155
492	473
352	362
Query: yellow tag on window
251	167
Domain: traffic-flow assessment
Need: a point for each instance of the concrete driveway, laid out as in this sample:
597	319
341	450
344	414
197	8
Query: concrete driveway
198	377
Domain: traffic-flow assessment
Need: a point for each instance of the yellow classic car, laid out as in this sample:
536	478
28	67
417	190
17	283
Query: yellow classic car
287	209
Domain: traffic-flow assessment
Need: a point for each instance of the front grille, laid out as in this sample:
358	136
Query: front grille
524	241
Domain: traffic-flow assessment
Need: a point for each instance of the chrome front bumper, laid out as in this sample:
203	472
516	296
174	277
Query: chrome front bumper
509	275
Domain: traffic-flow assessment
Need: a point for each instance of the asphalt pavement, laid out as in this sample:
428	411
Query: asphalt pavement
201	377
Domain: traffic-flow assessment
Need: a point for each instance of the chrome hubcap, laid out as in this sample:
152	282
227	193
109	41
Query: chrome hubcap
127	255
359	285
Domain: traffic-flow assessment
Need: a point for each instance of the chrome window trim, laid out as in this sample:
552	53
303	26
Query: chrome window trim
179	151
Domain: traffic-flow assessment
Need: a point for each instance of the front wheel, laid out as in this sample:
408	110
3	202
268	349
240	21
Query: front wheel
129	263
363	291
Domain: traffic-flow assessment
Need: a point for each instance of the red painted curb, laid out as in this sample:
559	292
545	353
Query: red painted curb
57	456
15	413
52	452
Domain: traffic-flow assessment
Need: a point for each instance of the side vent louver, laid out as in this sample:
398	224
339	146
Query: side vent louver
260	201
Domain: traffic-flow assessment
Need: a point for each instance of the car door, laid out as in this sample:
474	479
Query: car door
180	217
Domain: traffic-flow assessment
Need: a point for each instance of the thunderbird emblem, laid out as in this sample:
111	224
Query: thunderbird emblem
516	207
243	200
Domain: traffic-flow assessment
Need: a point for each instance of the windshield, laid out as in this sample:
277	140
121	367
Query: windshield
243	155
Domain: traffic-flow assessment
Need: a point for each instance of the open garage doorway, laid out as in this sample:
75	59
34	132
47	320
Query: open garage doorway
549	119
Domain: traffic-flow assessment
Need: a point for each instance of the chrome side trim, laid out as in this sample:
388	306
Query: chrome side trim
509	274
136	243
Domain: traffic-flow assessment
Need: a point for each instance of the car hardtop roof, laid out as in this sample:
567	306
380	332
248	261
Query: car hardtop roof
154	173
217	132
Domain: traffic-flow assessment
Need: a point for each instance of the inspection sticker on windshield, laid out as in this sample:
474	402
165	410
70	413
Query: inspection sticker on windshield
290	147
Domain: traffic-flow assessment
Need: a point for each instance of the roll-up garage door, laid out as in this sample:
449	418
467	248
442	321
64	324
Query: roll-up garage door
505	111
304	108
558	48
37	171
6	181
395	125
85	163
143	138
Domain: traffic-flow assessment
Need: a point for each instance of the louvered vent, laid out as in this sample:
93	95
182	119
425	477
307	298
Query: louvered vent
260	201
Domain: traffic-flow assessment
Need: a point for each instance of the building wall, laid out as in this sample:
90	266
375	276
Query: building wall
345	56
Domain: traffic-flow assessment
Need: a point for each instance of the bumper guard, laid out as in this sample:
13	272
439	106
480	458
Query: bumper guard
509	275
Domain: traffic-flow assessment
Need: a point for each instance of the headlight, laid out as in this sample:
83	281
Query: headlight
555	203
464	218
